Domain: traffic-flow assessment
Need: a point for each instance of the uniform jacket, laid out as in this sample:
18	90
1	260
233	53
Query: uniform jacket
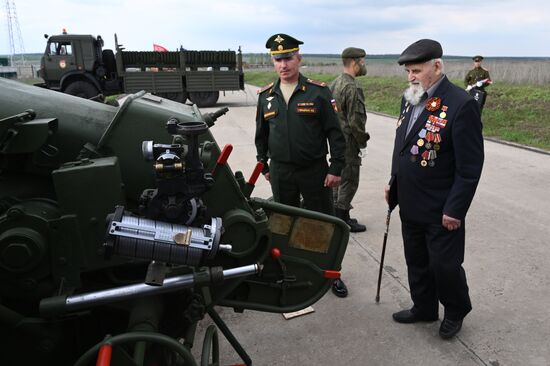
298	133
475	75
352	113
428	181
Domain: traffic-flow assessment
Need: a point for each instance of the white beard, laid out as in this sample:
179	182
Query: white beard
414	93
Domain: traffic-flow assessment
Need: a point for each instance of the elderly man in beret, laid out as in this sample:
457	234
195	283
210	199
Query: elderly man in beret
436	166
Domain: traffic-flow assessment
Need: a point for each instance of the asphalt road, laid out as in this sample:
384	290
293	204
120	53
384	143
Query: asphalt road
507	264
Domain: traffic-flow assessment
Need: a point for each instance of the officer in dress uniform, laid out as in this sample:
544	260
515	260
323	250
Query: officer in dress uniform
436	166
353	118
477	80
295	119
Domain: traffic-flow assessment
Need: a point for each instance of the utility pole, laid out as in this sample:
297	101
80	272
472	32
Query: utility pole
13	25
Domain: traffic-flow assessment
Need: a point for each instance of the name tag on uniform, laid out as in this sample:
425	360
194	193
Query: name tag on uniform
306	110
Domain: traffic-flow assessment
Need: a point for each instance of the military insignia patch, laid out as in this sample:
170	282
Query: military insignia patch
264	88
305	104
269	115
317	82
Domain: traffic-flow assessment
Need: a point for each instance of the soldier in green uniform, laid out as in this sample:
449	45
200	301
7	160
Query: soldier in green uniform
353	118
295	118
476	81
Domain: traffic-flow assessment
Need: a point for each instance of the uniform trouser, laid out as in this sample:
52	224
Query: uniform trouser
289	182
434	257
344	193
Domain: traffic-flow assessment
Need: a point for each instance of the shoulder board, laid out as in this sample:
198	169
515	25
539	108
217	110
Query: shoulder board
265	88
317	82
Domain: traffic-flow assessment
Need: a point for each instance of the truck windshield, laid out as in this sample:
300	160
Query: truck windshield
60	48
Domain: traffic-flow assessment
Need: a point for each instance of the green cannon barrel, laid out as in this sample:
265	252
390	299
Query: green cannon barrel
91	129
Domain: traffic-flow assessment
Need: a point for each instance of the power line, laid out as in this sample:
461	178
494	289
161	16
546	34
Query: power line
13	22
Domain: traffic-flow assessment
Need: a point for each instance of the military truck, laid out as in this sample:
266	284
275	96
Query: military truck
78	65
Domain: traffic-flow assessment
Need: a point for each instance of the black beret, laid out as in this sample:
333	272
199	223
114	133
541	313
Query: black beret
353	52
477	58
421	51
282	45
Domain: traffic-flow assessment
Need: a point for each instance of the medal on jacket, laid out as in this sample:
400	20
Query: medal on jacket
433	104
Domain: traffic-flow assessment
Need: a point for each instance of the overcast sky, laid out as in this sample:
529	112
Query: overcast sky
465	27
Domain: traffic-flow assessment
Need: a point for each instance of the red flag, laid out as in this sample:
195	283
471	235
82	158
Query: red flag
159	48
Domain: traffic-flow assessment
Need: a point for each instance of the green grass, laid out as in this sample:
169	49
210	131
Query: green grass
513	112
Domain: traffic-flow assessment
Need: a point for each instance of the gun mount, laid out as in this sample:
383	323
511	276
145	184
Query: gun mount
122	227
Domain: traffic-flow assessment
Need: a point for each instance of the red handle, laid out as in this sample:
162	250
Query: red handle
104	357
332	274
256	173
226	151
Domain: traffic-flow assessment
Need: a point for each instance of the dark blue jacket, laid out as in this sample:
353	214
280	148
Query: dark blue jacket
425	184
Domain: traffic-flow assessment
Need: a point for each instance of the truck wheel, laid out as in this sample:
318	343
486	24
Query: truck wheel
81	89
204	99
176	97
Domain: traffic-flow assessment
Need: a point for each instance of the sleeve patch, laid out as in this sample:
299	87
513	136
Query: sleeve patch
334	105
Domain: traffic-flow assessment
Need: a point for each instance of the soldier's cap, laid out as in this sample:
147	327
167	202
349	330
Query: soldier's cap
420	52
477	58
282	45
353	52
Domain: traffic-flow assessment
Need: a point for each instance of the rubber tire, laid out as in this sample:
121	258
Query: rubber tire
204	99
176	97
81	89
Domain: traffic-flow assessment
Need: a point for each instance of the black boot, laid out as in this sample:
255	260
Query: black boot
354	226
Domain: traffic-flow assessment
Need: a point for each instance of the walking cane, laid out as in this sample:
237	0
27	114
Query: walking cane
383	254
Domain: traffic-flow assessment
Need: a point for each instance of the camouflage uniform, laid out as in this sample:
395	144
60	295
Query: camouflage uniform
353	118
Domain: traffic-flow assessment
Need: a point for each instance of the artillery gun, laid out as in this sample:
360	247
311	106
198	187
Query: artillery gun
122	227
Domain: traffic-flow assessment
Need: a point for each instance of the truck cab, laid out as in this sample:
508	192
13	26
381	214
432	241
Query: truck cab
74	64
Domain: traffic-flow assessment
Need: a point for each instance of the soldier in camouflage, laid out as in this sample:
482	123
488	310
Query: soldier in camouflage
353	117
477	80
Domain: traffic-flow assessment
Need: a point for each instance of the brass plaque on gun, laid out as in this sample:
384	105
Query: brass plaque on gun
280	224
312	235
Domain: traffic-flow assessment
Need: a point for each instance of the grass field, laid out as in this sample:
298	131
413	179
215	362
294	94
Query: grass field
514	112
